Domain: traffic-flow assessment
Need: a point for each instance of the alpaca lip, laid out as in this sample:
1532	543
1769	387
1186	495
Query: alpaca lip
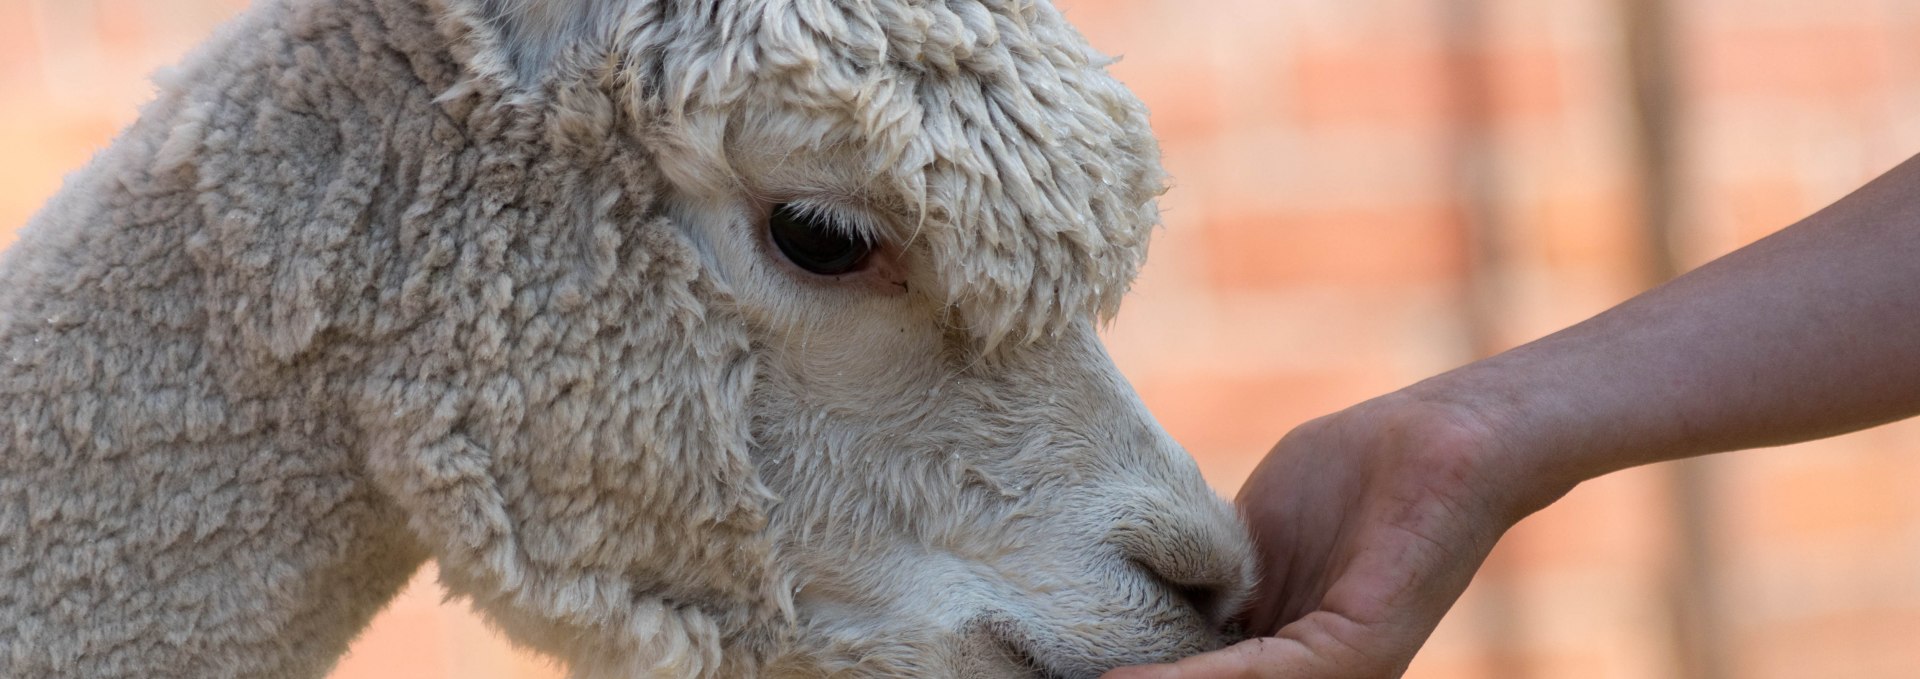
1019	649
1024	658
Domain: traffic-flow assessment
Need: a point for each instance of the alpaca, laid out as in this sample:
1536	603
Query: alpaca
691	338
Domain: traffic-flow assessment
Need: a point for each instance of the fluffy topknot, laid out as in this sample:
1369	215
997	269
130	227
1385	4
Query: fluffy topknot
1029	173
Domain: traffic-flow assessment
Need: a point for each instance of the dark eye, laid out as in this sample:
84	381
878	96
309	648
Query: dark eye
814	243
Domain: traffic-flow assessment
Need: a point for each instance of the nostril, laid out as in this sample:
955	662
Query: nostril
1203	598
1209	600
1199	557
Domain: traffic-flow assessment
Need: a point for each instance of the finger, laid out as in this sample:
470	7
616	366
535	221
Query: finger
1262	658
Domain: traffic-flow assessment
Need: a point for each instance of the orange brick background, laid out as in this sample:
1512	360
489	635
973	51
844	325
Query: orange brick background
1332	224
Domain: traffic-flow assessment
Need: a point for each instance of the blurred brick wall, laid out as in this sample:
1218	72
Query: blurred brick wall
1318	251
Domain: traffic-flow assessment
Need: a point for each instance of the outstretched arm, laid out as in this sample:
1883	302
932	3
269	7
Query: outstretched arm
1371	521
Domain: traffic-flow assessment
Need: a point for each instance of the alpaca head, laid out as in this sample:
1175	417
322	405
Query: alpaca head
911	215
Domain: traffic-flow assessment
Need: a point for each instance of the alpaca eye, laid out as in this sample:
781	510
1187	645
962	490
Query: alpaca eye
814	243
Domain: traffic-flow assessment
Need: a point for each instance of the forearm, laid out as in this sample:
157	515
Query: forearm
1811	332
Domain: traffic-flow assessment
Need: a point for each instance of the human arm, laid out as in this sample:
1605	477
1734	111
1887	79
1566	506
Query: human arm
1370	522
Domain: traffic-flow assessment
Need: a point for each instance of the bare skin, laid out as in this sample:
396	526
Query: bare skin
1370	522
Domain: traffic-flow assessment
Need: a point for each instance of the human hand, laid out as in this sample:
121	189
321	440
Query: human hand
1369	523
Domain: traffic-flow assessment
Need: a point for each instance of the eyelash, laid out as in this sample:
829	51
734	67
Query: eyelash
818	241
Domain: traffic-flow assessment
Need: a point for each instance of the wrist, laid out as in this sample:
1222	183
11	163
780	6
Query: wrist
1497	443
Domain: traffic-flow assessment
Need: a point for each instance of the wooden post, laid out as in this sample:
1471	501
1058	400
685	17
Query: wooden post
1698	639
1475	180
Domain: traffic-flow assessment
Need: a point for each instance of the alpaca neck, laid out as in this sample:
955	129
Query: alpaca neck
182	489
171	504
166	511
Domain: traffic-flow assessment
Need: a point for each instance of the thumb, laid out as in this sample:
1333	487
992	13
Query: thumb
1318	646
1261	658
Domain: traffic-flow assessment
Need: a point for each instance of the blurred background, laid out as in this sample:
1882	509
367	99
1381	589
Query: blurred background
1367	193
